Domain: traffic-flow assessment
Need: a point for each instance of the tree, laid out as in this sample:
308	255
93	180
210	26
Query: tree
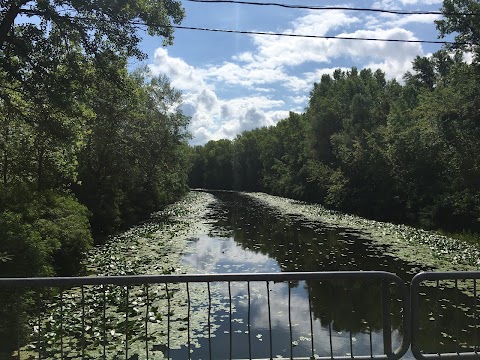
95	25
71	33
134	159
461	19
247	167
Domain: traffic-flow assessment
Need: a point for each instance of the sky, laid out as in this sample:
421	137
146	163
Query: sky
237	82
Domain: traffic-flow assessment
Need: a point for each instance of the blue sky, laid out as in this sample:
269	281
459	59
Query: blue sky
236	82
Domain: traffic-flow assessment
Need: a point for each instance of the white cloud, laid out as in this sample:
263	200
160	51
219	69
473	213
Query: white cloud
299	99
468	57
182	75
393	21
246	76
420	2
395	4
244	57
228	118
242	92
275	51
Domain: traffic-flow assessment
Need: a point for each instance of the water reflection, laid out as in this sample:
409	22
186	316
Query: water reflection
347	315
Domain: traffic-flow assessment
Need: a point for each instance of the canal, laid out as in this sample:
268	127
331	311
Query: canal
228	232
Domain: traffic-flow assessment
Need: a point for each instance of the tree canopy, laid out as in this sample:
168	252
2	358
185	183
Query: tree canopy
76	125
370	146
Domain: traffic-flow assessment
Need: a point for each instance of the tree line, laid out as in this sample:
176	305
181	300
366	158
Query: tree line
406	153
86	147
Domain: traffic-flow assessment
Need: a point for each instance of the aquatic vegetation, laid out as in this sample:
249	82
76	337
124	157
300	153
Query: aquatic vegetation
233	233
97	320
405	242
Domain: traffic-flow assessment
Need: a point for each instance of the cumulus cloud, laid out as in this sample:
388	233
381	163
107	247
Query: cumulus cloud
392	21
299	99
182	75
242	92
275	51
225	119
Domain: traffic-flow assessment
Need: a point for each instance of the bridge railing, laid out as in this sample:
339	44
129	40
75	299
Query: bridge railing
445	315
324	315
225	316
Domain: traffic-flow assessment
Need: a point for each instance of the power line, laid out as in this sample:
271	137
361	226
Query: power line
319	36
310	7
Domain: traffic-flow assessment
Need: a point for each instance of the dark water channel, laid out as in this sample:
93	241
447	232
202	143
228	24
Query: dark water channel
239	320
347	315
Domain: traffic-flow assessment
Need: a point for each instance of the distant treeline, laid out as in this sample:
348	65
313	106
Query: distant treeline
84	144
404	153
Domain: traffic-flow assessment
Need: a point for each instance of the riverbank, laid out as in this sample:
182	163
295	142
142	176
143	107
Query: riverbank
156	246
405	242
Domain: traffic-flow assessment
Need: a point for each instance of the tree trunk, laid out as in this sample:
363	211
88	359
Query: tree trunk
9	19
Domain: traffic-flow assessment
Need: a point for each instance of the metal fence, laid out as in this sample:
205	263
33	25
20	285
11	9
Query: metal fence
445	314
321	315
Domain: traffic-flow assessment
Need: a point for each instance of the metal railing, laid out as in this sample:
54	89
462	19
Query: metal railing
445	309
243	316
214	316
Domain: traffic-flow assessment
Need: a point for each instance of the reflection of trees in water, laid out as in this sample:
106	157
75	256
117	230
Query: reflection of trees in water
449	317
348	305
356	306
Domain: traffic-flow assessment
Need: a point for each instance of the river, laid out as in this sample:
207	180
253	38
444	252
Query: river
228	232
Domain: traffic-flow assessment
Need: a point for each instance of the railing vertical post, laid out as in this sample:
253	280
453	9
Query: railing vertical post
230	313
387	326
19	328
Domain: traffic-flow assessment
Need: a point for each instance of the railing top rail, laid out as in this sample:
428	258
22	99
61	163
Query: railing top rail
152	279
444	275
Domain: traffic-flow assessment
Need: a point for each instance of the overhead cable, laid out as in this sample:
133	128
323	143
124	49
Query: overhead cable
321	36
343	8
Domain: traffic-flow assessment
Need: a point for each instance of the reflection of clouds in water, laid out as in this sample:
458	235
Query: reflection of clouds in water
279	319
223	255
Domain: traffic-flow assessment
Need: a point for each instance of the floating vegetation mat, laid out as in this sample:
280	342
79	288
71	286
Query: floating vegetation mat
405	242
136	321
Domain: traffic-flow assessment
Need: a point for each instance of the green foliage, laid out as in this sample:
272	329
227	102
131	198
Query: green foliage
134	160
212	166
73	119
43	233
466	28
374	147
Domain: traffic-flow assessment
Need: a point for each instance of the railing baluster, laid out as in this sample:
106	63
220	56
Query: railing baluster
168	321
83	321
309	294
351	344
290	318
230	332
387	327
188	320
330	337
61	323
39	338
371	343
352	312
209	324
248	324
438	331
104	316
457	322
126	322
147	309
19	326
269	320
475	340
330	325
